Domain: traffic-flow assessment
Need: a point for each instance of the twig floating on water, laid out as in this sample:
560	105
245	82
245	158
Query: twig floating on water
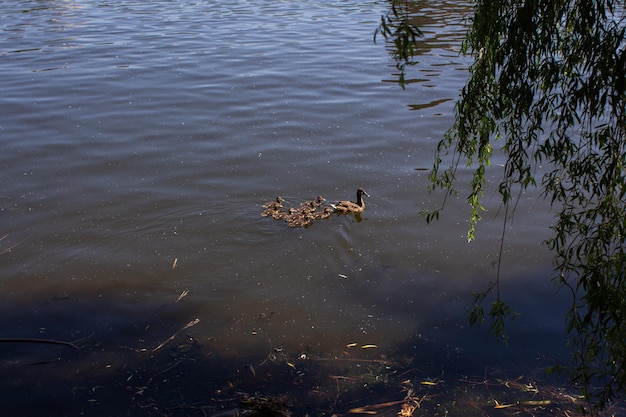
186	326
182	295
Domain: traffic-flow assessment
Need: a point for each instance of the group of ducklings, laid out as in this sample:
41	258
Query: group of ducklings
297	217
311	210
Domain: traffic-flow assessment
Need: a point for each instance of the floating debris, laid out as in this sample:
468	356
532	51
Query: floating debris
186	326
182	295
265	406
428	383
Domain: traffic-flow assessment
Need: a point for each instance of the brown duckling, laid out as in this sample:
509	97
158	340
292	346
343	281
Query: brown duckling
276	204
323	214
312	205
285	215
350	206
273	207
300	218
318	201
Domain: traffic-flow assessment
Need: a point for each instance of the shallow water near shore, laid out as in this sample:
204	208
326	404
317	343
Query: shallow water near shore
140	141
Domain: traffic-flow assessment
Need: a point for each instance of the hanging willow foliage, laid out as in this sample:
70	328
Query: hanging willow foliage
398	30
547	88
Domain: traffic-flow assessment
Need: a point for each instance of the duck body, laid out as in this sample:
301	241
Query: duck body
351	206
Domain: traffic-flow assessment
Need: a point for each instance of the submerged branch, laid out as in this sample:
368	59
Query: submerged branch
45	341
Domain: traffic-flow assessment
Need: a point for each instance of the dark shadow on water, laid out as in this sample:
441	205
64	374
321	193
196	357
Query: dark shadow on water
150	364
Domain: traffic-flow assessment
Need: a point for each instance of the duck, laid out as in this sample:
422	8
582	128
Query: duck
273	207
350	206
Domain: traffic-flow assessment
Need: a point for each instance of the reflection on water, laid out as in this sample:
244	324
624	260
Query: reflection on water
136	134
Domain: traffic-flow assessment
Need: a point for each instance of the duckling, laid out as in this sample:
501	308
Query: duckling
284	215
352	207
322	214
300	218
279	215
273	207
276	204
312	205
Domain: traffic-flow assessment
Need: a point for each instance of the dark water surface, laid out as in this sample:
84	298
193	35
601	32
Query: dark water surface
138	136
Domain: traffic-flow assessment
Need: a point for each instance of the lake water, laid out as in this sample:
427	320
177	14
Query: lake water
139	141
